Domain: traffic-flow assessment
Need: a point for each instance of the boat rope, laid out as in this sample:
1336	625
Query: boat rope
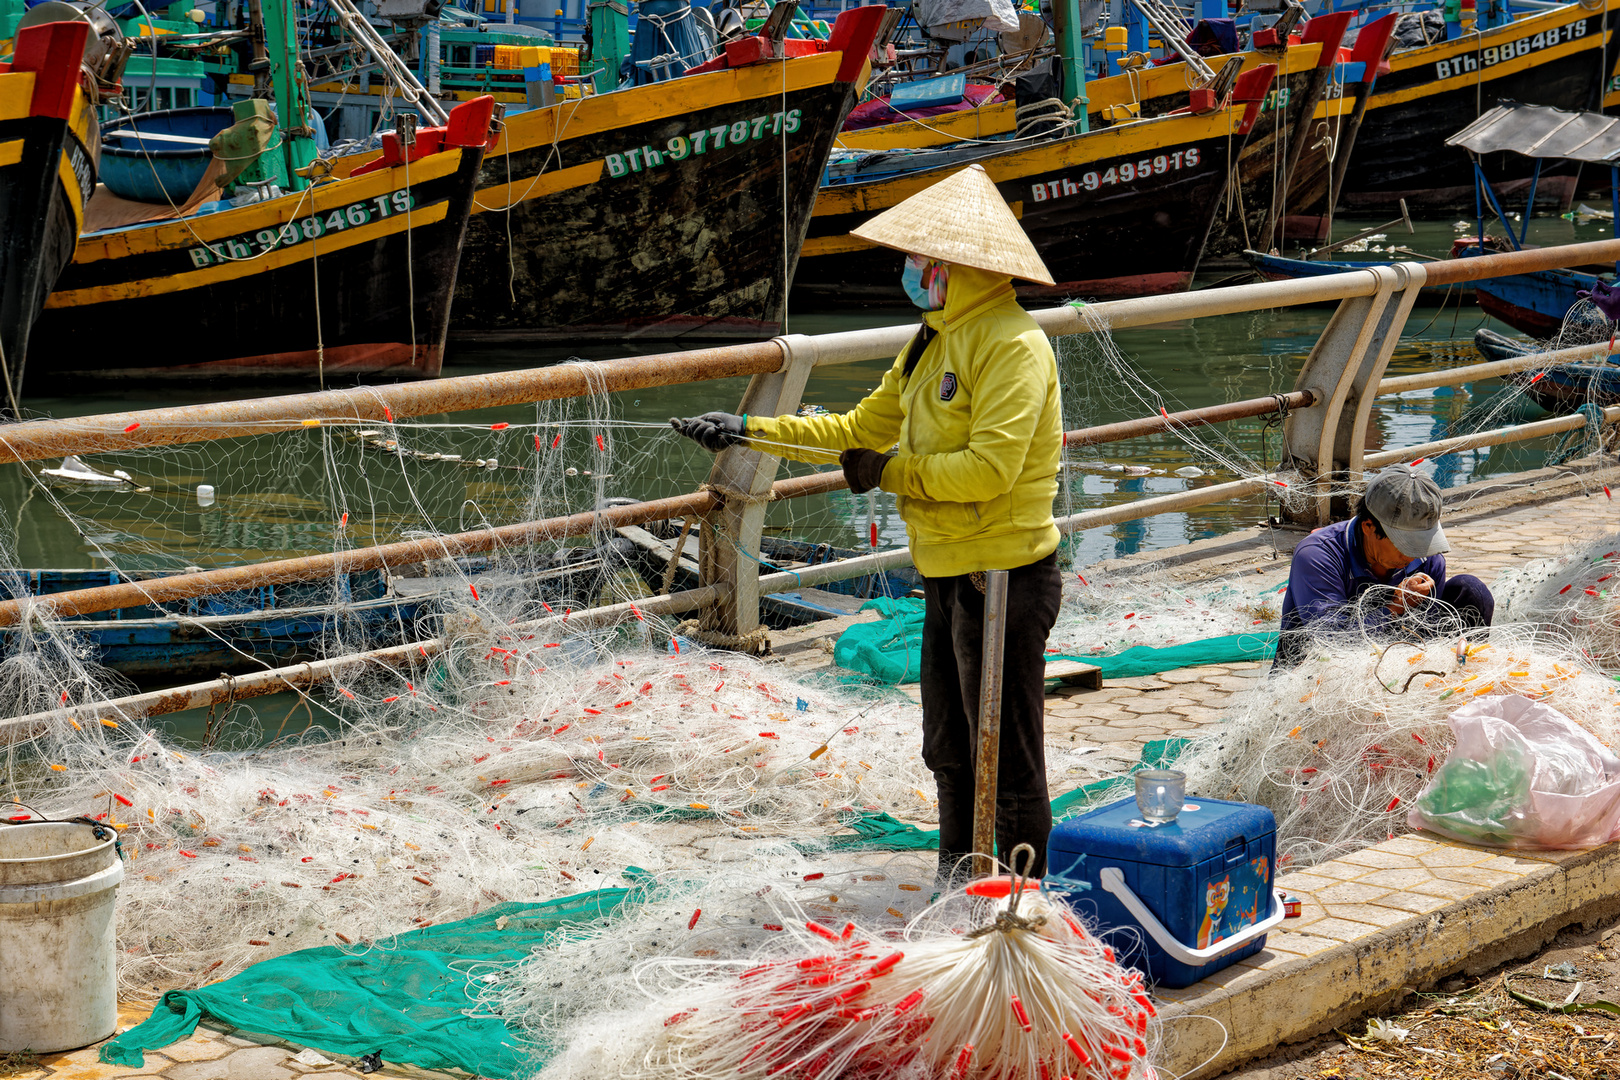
675	556
1041	113
315	269
11	391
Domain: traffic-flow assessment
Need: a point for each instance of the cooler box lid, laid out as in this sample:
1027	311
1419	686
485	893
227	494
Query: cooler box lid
1204	830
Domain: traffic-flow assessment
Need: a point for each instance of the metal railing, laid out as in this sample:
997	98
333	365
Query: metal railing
1329	409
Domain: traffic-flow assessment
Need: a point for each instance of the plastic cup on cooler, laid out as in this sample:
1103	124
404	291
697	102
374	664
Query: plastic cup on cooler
1159	794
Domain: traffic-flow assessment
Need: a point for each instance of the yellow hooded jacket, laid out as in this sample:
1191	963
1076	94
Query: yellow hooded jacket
979	427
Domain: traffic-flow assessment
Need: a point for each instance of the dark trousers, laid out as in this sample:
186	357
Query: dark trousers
952	652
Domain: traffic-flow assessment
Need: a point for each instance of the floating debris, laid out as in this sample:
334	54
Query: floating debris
75	471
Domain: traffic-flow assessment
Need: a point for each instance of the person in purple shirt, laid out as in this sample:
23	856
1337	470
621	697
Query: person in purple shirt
1383	571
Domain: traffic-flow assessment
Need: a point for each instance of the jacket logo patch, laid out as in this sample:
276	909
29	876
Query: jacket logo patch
947	387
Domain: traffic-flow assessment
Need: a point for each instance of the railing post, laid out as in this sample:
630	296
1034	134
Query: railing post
742	477
1325	444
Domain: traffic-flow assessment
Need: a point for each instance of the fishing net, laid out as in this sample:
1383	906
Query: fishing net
1339	746
835	973
1574	592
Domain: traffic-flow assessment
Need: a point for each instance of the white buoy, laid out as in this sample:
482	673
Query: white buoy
205	494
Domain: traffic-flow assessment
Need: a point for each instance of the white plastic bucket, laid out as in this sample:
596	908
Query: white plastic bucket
58	982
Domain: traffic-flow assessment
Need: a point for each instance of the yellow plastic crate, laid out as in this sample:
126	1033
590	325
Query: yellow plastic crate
508	57
564	61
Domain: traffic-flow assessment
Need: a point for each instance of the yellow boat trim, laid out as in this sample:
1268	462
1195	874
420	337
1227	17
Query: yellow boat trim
251	218
625	108
833	245
507	95
81	116
1102	94
16	94
70	187
501	196
1429	55
10	152
1144	136
233	271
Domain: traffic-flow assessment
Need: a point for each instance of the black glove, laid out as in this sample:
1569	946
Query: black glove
863	468
714	431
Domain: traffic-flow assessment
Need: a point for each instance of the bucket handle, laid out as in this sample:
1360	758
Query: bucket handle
1112	880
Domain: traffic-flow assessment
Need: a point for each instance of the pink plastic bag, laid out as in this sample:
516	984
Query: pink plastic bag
1521	775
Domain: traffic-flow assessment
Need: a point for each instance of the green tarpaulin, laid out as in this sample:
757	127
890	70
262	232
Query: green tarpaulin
889	649
406	999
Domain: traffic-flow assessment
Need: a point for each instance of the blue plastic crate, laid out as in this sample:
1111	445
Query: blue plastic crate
1192	897
929	93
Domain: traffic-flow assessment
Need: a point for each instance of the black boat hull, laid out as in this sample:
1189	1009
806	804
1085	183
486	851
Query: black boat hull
353	278
576	236
1435	91
1100	233
48	143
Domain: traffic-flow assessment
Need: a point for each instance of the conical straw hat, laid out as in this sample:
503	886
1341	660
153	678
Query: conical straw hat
964	220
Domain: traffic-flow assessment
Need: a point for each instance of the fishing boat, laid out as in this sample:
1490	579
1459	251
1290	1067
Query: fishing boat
337	278
1279	268
1538	303
1559	57
62	62
277	625
1560	388
270	267
1120	211
1286	168
674	209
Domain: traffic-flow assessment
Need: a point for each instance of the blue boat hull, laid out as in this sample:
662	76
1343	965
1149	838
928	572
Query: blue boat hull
1279	268
1533	303
1561	388
277	625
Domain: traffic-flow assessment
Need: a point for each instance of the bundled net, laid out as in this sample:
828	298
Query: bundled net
1341	745
838	972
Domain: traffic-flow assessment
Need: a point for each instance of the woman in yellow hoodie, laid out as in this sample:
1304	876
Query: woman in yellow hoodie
972	412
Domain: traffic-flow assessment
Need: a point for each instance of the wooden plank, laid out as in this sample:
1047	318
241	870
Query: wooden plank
1074	673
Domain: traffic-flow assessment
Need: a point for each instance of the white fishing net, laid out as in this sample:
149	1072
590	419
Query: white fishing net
1339	746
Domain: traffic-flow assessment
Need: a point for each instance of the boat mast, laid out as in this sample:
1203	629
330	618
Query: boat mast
291	91
1071	55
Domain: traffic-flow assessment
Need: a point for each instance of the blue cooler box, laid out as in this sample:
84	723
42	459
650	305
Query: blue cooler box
1193	896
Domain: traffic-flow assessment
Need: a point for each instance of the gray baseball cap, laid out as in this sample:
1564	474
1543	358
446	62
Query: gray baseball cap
1408	505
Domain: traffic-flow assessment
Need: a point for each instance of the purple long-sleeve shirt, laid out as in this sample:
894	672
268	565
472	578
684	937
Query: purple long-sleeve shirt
1328	574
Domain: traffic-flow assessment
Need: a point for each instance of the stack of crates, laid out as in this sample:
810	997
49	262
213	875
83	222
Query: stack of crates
510	57
484	55
565	62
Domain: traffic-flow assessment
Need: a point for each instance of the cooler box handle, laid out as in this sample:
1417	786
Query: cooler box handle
1112	880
